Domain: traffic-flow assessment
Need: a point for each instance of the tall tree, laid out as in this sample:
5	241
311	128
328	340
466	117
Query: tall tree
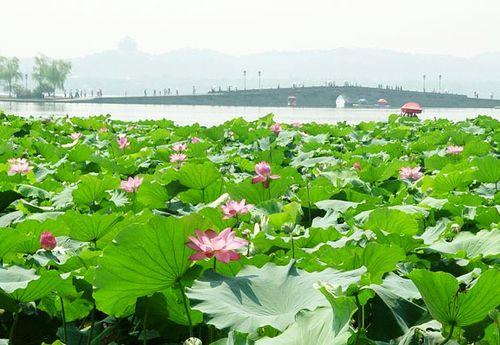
9	71
51	74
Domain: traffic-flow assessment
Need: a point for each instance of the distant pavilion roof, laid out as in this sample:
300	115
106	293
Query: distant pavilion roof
411	108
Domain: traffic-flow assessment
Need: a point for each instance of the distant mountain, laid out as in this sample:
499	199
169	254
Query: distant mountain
127	69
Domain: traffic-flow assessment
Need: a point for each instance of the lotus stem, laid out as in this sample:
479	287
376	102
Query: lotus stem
361	314
92	322
186	308
293	245
63	317
452	328
215	265
13	328
144	328
308	203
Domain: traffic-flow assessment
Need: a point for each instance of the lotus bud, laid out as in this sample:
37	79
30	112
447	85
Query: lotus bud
192	341
47	240
455	227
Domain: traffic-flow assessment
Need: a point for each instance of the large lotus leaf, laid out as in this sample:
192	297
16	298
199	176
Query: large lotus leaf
205	195
485	243
455	180
319	189
307	160
488	169
89	227
392	315
24	285
144	258
7	197
428	333
392	221
29	191
8	239
92	189
198	176
152	194
15	277
256	297
373	173
76	306
313	328
377	258
487	217
441	294
336	205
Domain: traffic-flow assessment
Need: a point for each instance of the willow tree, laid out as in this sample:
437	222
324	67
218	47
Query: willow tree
51	74
9	71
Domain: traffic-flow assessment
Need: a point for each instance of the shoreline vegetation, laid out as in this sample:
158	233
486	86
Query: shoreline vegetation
257	233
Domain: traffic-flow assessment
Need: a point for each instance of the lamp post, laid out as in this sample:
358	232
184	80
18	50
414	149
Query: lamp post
260	72
423	77
440	77
244	80
26	81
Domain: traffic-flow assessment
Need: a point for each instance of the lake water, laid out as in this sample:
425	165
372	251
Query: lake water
212	115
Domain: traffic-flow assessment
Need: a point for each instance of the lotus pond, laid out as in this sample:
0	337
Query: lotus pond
249	232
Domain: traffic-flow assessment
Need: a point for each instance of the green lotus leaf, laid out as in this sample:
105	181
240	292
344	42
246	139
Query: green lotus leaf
24	285
89	227
198	176
392	314
152	194
449	305
336	205
314	327
15	277
488	169
485	243
144	258
392	221
92	189
257	297
455	180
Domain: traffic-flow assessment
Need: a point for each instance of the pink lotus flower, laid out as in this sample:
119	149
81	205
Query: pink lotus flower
76	135
47	240
410	173
222	246
263	170
18	166
179	147
178	157
122	141
454	150
195	140
357	166
276	128
233	208
132	184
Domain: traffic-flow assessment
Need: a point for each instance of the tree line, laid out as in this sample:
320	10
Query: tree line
49	74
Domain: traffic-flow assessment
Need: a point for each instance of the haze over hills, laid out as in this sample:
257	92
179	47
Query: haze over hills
126	69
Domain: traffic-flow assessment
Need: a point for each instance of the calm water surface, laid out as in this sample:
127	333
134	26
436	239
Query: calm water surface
212	115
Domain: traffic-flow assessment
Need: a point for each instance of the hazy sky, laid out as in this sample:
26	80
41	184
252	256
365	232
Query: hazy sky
69	28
